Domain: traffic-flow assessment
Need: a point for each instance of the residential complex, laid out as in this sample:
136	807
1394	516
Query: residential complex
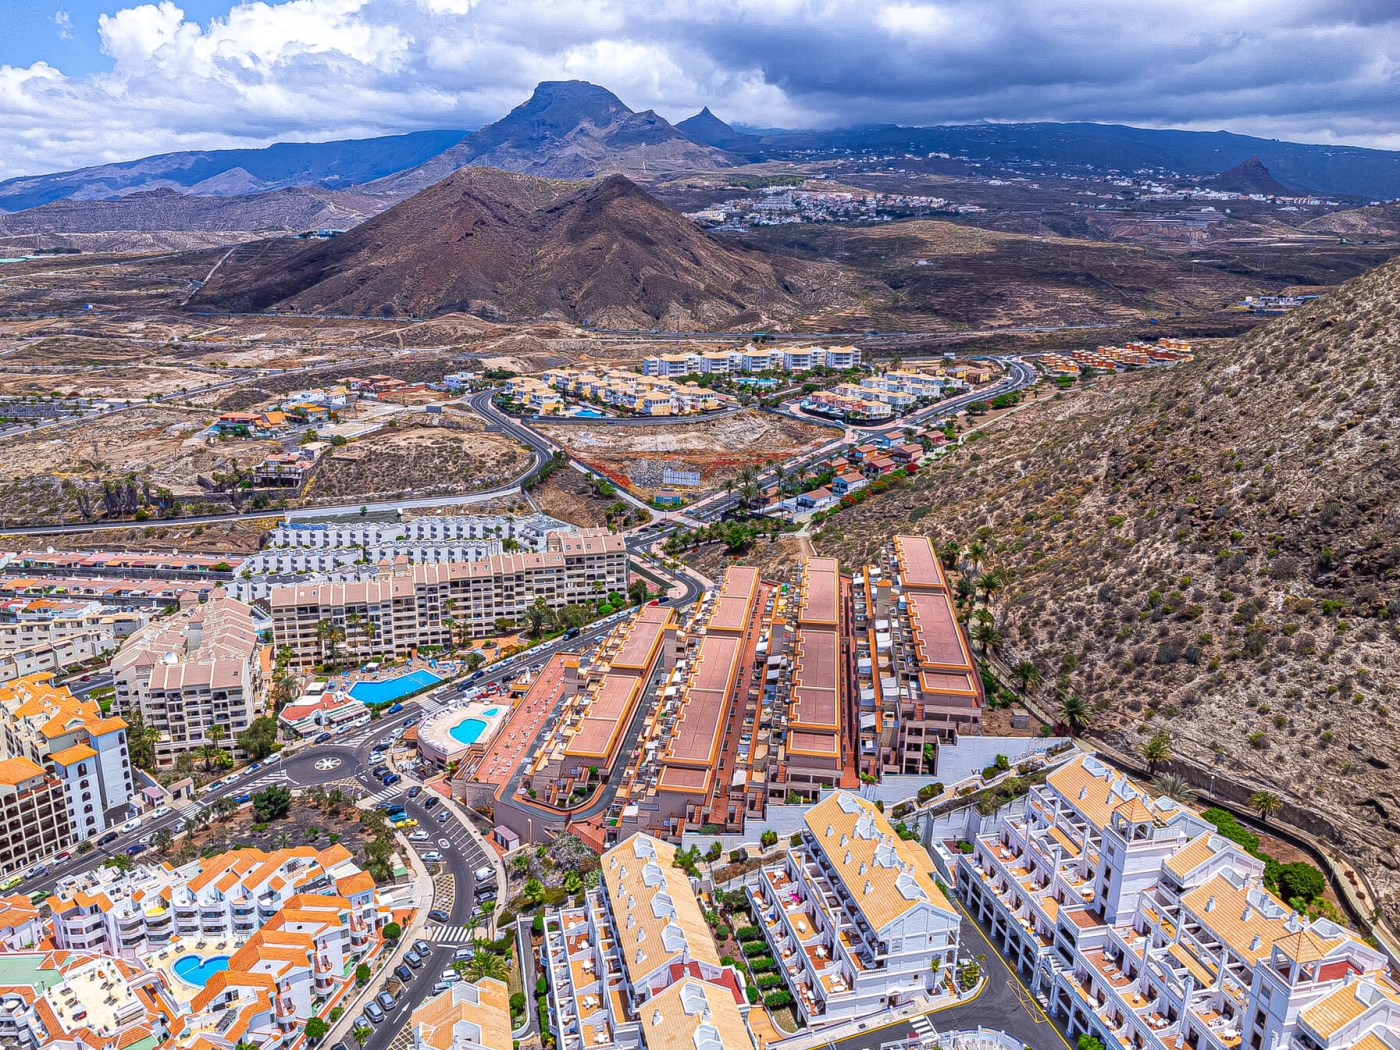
291	925
1112	358
647	395
49	634
752	359
34	809
635	965
917	680
197	669
602	701
853	916
815	744
406	607
74	742
1139	924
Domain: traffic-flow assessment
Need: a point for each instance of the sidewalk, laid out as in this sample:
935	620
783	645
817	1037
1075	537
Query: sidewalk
847	1029
384	963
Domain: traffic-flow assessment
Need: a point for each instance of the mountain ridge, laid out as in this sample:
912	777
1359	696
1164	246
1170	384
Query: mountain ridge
506	246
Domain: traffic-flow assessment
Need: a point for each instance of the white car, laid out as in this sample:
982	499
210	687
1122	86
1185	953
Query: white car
419	836
160	811
233	776
432	857
132	824
274	757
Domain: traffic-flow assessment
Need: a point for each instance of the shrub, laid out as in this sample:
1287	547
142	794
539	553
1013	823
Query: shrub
751	993
777	1000
762	964
768	981
517	1002
768	838
1299	880
1230	828
752	948
749	933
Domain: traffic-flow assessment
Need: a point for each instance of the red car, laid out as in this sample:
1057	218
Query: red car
61	857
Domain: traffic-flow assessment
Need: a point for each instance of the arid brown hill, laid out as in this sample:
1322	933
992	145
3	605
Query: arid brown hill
567	129
1210	551
1249	176
507	246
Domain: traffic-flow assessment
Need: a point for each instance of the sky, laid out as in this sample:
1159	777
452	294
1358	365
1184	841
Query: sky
88	81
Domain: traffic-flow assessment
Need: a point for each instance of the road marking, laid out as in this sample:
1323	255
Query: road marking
448	934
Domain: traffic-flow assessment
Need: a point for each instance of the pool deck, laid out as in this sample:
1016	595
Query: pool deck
517	737
417	685
436	742
163	960
345	681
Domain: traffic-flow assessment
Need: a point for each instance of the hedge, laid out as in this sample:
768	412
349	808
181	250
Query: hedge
774	1000
762	963
749	933
754	948
768	981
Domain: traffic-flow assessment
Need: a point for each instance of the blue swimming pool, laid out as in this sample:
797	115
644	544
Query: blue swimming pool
196	970
491	712
390	690
468	730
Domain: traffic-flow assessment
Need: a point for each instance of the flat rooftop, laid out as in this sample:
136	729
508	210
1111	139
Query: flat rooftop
938	639
816	677
638	650
814	745
735	601
701	721
919	567
821	593
608	716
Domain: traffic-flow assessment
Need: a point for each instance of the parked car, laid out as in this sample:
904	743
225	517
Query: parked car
403	973
432	857
243	798
463	954
439	916
423	948
133	850
413	959
415	791
59	858
270	759
442	817
430	802
379	769
36	871
11	882
392	778
132	825
440	987
406	822
255	767
451	976
374	1013
321	738
111	836
410	720
160	811
385	1000
209	789
419	836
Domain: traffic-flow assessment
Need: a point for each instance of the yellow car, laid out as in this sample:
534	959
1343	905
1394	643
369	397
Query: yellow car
11	882
407	822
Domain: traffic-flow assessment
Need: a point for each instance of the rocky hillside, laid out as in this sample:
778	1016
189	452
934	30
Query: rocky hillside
1212	551
508	247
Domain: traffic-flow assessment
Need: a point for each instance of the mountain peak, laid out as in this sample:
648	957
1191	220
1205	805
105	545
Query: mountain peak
566	103
708	129
1249	176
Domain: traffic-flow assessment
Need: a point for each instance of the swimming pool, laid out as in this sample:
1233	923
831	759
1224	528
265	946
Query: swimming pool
491	712
468	730
390	690
196	970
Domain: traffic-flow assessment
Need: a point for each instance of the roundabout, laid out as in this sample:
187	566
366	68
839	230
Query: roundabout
328	763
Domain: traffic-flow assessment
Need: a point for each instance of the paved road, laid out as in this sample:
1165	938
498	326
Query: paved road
1004	1004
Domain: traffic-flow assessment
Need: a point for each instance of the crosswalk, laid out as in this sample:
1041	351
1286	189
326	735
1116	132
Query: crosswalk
922	1027
448	934
393	791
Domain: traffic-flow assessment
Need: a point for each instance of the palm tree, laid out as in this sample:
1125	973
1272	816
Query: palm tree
208	752
1265	803
1028	674
217	732
536	616
987	637
283	840
1174	785
989	583
1076	712
1156	750
487	964
949	554
976	553
965	589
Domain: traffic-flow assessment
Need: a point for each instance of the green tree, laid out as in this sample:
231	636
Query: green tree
1265	803
392	931
1076	713
1155	750
361	1034
487	964
1028	674
537	617
533	892
987	636
638	592
316	1029
1300	881
930	754
1174	785
1088	1042
272	803
141	741
163	840
362	974
260	738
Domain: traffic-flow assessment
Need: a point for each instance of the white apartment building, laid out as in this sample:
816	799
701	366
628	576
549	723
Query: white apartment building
33	812
79	745
617	963
230	895
855	908
406	607
751	359
1142	926
48	634
199	668
61	1001
468	1016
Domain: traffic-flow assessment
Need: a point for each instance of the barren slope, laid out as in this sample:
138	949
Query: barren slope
1216	546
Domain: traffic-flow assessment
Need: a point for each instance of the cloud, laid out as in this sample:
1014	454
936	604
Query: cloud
1313	70
63	25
